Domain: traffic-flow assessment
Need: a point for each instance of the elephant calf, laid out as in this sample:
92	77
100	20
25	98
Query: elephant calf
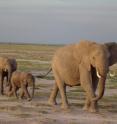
22	80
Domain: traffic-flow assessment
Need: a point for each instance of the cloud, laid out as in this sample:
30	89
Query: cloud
57	20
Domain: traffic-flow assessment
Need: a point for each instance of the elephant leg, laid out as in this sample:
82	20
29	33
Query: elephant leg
87	104
9	88
65	91
61	87
10	92
24	87
1	85
95	83
7	81
52	99
15	92
86	83
21	95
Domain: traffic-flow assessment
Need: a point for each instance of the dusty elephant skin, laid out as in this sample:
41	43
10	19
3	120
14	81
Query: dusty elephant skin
7	67
14	111
84	64
22	80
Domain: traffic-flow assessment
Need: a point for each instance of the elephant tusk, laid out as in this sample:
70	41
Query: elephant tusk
112	75
98	75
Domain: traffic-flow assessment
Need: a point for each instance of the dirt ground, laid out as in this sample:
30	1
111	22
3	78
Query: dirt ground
36	58
37	111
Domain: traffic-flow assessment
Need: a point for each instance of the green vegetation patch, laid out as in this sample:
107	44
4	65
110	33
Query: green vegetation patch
29	56
27	66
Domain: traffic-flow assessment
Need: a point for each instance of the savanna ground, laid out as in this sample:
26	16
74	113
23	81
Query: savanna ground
37	60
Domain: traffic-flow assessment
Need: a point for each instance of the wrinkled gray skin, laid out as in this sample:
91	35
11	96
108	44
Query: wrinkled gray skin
112	48
78	64
7	67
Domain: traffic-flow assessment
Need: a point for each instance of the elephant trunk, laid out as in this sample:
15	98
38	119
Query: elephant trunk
101	88
9	75
101	85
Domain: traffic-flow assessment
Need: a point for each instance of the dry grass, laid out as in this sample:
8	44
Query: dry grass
36	58
29	56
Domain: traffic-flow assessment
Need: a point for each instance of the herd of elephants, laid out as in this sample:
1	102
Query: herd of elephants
84	64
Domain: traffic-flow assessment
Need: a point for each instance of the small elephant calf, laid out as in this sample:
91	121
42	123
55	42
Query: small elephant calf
22	80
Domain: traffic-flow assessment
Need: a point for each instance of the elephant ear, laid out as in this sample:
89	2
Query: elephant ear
86	62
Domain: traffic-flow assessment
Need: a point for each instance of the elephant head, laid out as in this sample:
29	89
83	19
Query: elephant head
101	64
112	48
7	66
10	67
97	58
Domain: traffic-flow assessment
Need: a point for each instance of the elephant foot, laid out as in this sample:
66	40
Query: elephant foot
52	102
93	107
65	107
92	110
29	99
85	108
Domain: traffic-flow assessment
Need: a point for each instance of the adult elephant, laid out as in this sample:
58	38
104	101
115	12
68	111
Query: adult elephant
85	64
112	48
7	67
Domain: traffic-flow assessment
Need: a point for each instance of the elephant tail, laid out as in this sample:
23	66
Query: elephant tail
42	76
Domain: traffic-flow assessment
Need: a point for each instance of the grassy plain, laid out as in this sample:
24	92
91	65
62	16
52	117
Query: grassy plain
30	56
37	58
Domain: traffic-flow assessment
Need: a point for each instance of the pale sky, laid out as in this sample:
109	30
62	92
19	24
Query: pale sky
57	21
